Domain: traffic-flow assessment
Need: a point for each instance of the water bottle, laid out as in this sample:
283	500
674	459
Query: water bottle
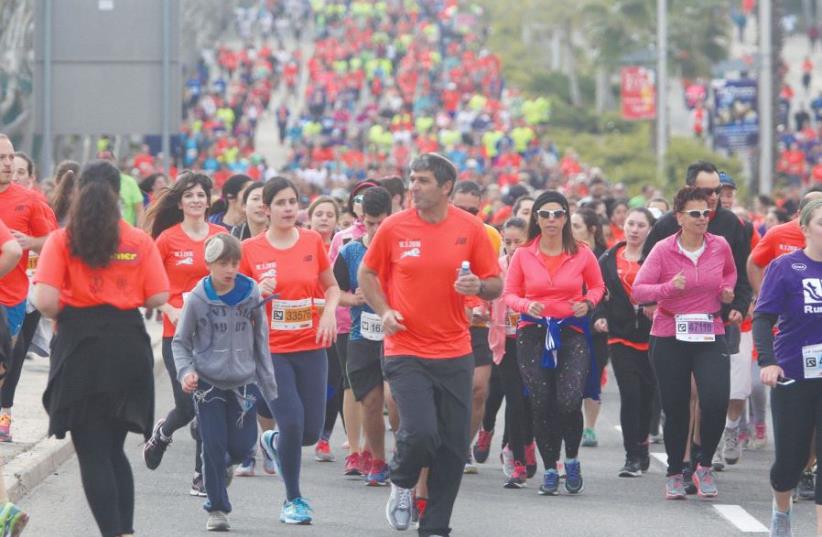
465	268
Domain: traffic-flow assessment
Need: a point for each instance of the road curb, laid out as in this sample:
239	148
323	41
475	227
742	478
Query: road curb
31	467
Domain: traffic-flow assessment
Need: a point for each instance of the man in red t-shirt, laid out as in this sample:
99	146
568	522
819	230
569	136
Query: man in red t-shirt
415	278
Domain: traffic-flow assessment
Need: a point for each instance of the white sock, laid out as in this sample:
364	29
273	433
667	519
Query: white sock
732	424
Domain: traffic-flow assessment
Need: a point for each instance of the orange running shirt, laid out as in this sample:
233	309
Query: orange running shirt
627	271
5	234
779	240
134	274
184	261
21	211
293	317
417	263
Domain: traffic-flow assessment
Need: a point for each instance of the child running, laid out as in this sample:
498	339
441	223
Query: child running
221	352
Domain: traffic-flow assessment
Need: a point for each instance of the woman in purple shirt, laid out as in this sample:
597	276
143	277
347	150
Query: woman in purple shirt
791	362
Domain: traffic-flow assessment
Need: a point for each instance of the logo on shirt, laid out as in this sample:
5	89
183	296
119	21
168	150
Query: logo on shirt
799	267
812	290
461	241
788	248
185	261
267	270
410	249
308	258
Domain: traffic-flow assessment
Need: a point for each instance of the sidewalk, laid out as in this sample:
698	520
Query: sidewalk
32	456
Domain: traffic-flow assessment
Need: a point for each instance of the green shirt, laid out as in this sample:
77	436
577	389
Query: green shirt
130	195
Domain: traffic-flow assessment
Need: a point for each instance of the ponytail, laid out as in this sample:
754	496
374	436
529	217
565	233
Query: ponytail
94	218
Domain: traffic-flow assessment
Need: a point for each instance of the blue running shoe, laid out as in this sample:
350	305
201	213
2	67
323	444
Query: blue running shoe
550	483
573	477
246	469
377	475
268	443
296	512
12	520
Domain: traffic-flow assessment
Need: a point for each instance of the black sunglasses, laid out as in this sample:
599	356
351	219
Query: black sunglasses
556	213
709	191
704	213
472	210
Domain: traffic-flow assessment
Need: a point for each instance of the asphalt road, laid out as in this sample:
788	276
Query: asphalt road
610	506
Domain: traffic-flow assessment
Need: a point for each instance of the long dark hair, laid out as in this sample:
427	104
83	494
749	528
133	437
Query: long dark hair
64	177
94	219
165	211
594	225
273	187
569	245
230	191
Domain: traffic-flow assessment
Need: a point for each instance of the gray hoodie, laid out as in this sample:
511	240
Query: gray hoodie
227	346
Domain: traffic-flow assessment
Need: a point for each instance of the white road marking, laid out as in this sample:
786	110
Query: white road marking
661	457
740	518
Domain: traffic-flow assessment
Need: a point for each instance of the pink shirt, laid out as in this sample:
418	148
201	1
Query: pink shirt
351	233
528	280
704	281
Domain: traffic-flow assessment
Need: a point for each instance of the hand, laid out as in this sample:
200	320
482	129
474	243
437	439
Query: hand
468	284
479	315
173	314
267	285
769	375
601	325
727	296
391	322
649	311
22	239
734	317
327	329
359	297
678	281
534	309
190	382
580	309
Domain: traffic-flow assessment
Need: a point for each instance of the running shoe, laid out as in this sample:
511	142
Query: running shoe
745	440
322	452
507	460
197	486
378	474
687	478
704	481
297	511
731	449
5	427
675	487
399	507
573	477
550	483
217	521
531	459
806	489
365	462
718	463
470	467
589	438
268	442
519	478
419	509
781	524
760	436
155	448
631	468
12	520
246	468
656	438
352	465
482	447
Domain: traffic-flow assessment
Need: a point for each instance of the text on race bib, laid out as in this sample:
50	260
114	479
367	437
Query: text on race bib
371	326
695	327
812	361
511	322
291	314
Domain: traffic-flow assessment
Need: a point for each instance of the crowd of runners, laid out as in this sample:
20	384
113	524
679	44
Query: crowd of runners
424	255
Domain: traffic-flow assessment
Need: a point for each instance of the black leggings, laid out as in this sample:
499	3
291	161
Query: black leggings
556	394
637	390
674	363
796	411
18	357
517	406
106	475
494	400
334	396
183	411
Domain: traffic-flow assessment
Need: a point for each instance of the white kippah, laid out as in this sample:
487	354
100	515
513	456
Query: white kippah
214	249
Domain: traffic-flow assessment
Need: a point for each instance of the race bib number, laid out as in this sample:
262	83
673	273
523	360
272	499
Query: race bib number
319	303
371	326
511	322
695	327
31	267
291	314
812	361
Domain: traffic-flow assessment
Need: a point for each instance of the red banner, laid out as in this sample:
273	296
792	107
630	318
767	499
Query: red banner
638	90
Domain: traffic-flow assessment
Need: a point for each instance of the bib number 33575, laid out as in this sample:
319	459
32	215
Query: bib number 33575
695	327
291	314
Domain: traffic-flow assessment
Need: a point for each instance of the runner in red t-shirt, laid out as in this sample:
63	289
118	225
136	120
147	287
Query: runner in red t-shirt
179	226
417	256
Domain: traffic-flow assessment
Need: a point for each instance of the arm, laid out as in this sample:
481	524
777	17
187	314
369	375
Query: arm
592	276
743	293
47	299
729	273
372	290
139	214
514	292
182	346
157	300
10	254
763	324
755	274
647	286
347	298
327	329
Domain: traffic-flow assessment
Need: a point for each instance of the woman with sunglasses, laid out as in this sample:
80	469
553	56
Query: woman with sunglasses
791	362
690	275
543	285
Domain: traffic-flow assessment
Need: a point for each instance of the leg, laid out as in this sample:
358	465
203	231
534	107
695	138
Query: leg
311	374
242	431
365	376
494	400
288	410
672	365
712	374
333	403
793	414
479	394
352	411
93	448
183	411
18	357
573	369
124	479
541	384
212	415
626	370
516	415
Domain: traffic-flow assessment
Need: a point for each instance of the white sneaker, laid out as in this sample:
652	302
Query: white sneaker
217	521
399	507
731	450
507	459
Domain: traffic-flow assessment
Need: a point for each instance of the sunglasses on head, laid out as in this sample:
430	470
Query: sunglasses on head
556	213
709	191
704	213
472	210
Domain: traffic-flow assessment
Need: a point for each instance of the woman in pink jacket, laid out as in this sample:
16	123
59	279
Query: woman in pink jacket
553	342
689	275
